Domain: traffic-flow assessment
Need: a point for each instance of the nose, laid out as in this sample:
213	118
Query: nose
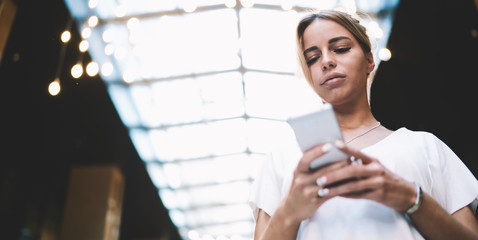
328	62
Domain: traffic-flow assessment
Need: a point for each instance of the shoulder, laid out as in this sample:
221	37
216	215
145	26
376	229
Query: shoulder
422	138
437	151
418	144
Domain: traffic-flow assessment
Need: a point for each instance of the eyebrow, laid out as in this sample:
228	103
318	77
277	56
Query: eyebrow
332	40
335	39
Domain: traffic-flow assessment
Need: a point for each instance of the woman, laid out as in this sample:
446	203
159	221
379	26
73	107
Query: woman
408	185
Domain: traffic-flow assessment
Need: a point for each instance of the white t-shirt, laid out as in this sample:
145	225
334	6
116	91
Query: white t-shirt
415	156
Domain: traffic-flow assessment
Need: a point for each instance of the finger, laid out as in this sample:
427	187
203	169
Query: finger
360	188
312	154
320	176
350	172
315	192
353	152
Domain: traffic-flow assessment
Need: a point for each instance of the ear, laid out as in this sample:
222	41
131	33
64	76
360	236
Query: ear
371	62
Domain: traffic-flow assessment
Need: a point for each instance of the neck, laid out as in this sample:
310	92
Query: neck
353	115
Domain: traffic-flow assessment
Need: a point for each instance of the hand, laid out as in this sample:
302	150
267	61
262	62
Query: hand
372	181
302	200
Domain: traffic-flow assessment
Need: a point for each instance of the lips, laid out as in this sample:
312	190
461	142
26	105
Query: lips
331	76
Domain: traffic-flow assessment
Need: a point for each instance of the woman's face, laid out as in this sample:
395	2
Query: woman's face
337	64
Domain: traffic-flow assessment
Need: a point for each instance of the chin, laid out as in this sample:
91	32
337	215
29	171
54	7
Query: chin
335	101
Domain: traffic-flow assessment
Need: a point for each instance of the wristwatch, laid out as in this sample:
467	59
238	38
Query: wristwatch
418	200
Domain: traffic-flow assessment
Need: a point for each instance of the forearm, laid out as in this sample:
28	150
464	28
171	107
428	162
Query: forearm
279	227
433	222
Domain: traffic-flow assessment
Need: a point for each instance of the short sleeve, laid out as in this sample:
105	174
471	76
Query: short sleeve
454	186
266	189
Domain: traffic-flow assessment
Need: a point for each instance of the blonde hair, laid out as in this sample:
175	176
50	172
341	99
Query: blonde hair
347	21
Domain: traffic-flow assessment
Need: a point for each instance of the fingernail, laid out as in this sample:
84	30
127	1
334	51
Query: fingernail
326	147
321	181
323	191
339	143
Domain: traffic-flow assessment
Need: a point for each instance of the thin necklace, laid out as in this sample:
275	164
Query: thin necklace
371	129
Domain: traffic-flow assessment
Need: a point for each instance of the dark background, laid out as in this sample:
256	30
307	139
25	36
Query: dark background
429	84
44	136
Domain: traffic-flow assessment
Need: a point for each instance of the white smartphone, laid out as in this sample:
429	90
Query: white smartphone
317	128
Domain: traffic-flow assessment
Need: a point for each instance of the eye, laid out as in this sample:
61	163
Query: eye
342	50
312	61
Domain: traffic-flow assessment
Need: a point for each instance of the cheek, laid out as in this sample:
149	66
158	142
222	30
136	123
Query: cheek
316	74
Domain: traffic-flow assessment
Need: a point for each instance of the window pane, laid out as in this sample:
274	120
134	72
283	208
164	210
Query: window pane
219	214
144	102
190	43
142	143
220	194
322	4
222	95
191	100
111	8
242	230
227	136
156	172
278	96
200	140
265	134
122	100
169	145
177	101
238	167
264	44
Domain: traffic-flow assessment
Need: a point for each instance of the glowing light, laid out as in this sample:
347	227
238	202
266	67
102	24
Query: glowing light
286	5
189	7
109	49
93	3
247	3
132	23
92	69
84	45
230	3
128	76
107	69
374	30
120	53
108	35
193	235
65	36
77	70
86	32
54	88
93	21
384	54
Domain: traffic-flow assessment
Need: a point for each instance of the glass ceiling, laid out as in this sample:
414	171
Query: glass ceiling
204	88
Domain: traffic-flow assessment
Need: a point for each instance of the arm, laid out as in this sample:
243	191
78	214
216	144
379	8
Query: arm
276	228
466	217
436	223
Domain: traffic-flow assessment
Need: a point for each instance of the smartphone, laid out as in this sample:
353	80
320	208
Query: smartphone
316	128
